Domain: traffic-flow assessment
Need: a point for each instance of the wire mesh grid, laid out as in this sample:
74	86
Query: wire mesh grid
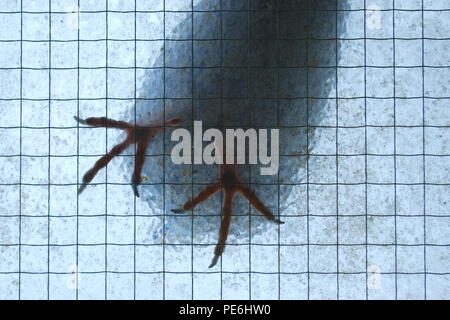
368	213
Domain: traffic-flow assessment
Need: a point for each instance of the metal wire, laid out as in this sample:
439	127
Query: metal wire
22	276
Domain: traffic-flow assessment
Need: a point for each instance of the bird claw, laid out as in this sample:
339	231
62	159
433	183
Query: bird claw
80	120
179	210
214	261
81	188
278	221
135	190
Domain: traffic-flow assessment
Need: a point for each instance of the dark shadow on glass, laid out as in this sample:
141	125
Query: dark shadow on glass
267	67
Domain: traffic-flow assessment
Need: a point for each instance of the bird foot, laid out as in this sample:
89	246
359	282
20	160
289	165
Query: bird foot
230	184
136	134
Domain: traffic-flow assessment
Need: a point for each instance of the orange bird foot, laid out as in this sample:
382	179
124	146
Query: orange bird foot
136	134
230	184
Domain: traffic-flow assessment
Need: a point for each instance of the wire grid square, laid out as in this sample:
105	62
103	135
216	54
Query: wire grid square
413	264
